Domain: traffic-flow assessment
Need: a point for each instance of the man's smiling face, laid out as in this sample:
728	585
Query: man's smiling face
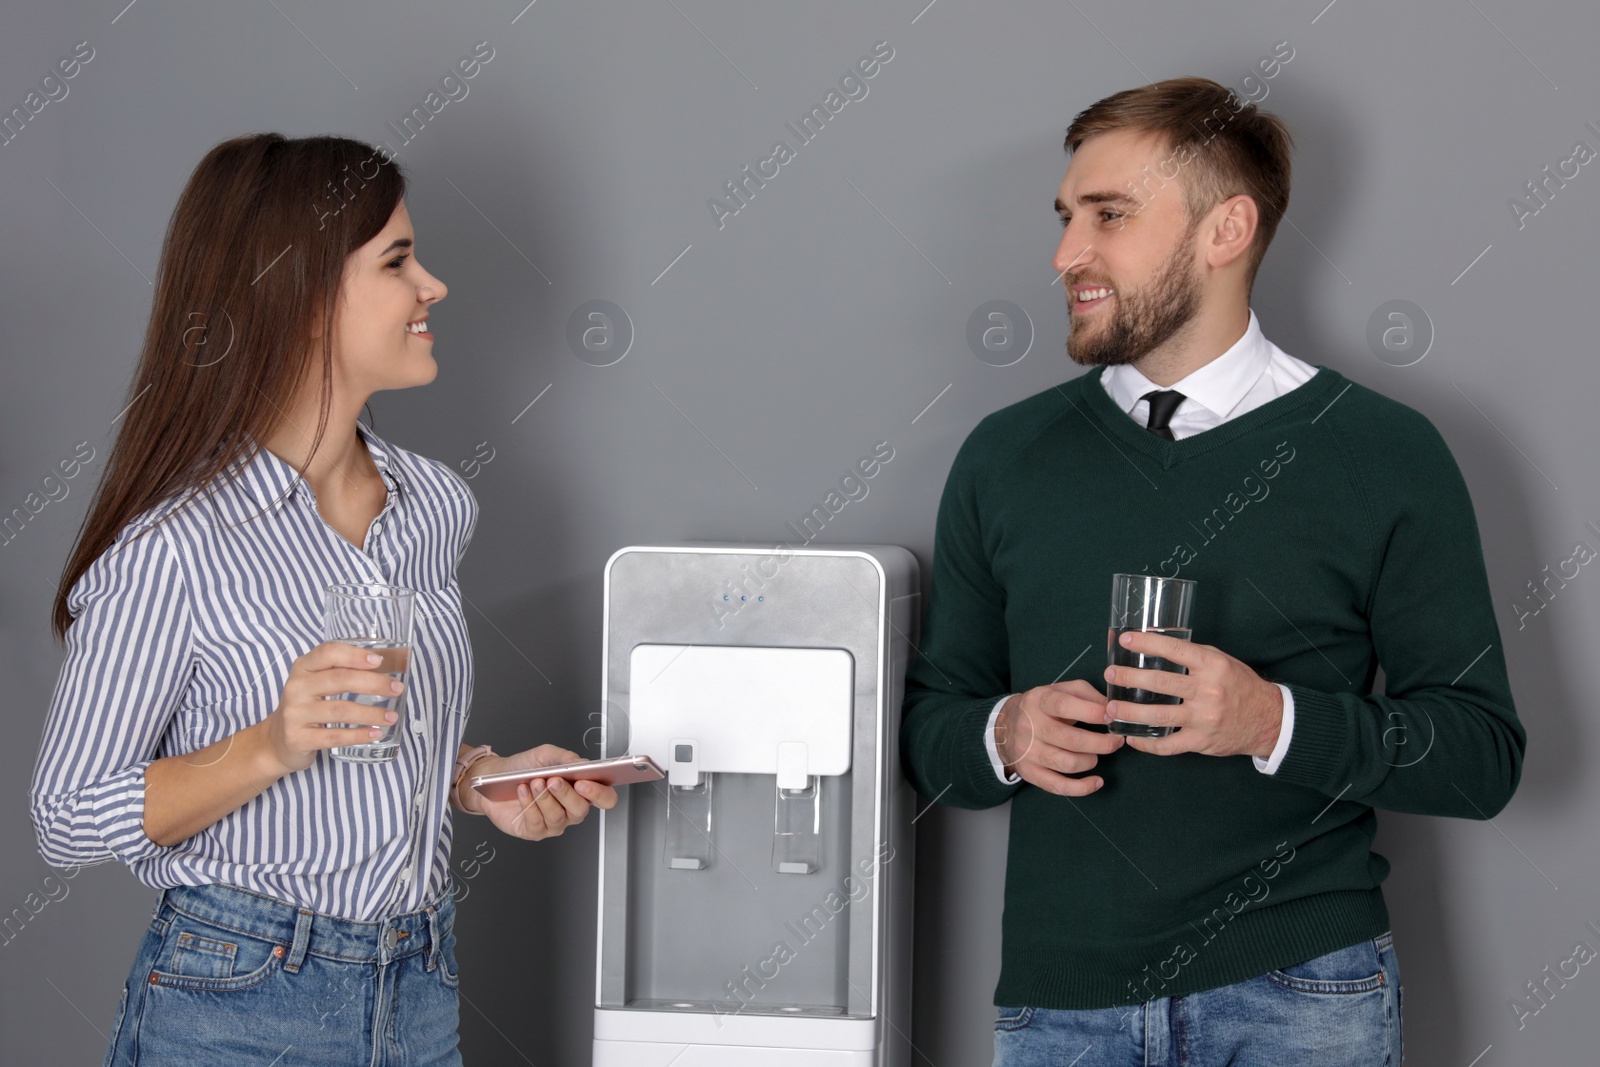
1128	256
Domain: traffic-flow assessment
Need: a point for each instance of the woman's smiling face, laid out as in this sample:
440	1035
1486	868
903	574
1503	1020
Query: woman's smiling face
384	290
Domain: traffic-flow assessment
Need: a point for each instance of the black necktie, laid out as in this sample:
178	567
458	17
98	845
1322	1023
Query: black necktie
1163	402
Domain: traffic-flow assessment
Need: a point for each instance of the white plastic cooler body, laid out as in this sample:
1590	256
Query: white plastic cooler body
755	907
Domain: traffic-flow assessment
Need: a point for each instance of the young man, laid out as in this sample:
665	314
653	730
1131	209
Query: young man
1208	897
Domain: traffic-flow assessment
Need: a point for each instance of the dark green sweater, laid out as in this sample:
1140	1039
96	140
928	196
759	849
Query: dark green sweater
1330	531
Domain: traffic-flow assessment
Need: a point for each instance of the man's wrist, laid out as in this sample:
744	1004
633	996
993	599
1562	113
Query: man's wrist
1004	726
1269	742
991	749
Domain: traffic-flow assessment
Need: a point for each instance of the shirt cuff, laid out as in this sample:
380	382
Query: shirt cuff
101	821
1270	765
989	746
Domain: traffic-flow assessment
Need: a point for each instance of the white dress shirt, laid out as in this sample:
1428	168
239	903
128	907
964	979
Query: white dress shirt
1250	373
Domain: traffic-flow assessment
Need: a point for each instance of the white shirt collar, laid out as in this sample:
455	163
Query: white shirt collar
1218	386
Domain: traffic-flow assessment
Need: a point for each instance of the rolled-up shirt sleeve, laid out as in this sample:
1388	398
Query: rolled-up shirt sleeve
129	660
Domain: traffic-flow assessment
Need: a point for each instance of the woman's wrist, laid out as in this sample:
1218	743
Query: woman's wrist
263	758
469	764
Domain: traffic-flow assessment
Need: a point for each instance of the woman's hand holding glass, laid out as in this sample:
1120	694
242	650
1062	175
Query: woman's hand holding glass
296	730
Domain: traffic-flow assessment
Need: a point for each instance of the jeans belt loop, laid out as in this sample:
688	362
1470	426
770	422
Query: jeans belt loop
433	938
157	923
302	941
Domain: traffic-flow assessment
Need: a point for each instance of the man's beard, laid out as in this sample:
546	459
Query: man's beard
1143	320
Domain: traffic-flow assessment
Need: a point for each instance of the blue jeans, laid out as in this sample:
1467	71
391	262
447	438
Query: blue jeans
228	976
1338	1010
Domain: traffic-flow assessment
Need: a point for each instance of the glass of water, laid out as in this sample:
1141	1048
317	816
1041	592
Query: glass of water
1157	605
377	617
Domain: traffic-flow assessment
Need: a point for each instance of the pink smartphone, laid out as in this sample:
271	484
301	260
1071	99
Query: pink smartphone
619	770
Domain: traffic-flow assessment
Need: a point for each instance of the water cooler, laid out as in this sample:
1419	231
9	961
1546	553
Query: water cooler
755	905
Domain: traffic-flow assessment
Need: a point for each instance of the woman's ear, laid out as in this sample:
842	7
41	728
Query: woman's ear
318	313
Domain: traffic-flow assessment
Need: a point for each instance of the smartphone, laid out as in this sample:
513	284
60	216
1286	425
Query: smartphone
619	770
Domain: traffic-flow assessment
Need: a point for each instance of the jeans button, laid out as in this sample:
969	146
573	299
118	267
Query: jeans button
391	938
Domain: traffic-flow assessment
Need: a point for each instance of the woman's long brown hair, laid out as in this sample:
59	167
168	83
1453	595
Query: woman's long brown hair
253	261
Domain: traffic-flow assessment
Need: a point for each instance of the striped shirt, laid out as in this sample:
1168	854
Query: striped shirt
186	634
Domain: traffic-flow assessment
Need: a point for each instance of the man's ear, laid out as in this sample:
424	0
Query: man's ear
1236	231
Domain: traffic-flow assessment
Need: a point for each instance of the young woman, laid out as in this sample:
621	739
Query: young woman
305	913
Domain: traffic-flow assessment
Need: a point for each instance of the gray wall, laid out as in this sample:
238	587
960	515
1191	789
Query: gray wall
826	315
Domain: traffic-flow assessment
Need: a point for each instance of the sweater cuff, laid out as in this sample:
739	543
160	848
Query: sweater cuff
968	759
1322	733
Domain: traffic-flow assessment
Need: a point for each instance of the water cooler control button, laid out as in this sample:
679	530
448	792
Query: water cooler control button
684	770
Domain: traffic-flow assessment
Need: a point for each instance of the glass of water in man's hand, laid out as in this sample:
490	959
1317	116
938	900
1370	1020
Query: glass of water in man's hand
376	617
1157	605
